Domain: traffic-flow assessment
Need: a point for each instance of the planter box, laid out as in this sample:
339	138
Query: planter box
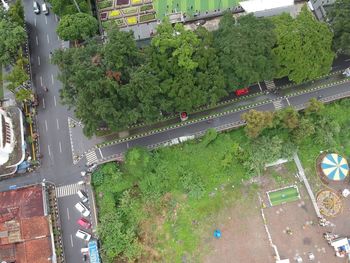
105	4
131	20
146	8
147	18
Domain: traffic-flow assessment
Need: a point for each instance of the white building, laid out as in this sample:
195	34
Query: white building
12	143
7	139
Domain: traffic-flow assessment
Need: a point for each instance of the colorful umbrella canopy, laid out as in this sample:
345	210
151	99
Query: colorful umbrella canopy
335	167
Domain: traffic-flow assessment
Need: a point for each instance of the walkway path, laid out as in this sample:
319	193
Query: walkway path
307	185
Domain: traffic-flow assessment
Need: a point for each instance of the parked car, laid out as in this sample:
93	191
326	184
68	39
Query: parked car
240	92
83	196
200	22
92	168
184	116
84	223
83	173
83	235
84	250
82	209
36	8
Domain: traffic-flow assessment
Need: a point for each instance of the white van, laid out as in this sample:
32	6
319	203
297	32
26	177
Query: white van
45	9
82	195
83	235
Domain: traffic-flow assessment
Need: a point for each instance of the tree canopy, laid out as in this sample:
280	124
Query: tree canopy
244	48
340	23
12	38
303	48
67	7
77	27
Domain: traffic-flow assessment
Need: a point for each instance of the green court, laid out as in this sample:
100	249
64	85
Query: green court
190	7
284	195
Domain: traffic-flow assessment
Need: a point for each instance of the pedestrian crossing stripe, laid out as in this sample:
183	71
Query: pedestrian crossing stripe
270	84
278	104
91	157
67	190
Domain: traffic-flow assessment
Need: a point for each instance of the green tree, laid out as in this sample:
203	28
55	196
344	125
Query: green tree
23	95
77	27
315	107
93	85
186	66
290	118
303	47
339	16
67	7
16	12
244	48
257	121
18	76
13	36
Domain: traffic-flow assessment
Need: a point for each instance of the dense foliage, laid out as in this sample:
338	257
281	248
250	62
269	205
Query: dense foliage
245	49
68	7
116	85
303	48
152	201
77	27
339	17
12	33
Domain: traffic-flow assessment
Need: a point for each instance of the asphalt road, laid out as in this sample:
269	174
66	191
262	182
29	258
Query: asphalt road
54	138
56	164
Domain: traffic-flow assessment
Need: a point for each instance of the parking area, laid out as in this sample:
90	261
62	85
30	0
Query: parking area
76	218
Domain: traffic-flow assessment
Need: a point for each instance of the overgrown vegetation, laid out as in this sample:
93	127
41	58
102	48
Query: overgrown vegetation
160	201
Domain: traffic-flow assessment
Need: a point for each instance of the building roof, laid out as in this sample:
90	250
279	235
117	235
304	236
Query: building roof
24	229
253	6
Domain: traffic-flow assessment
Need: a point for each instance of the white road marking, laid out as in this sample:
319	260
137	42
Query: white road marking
48	40
34	21
48	148
41	81
46	125
347	59
43	103
52	80
288	101
37	40
38	60
46	20
57	124
100	152
259	86
68	213
56	18
54	100
60	145
71	240
127	145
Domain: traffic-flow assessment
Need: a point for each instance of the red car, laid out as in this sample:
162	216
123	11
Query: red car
183	116
84	223
241	92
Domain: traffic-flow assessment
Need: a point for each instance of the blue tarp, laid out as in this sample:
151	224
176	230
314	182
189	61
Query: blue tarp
93	252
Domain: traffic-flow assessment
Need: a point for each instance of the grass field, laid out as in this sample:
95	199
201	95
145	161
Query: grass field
278	197
190	6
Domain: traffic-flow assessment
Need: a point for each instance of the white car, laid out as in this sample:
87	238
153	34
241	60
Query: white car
82	195
83	235
82	209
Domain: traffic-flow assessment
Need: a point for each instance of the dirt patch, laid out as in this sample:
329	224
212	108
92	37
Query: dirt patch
243	237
